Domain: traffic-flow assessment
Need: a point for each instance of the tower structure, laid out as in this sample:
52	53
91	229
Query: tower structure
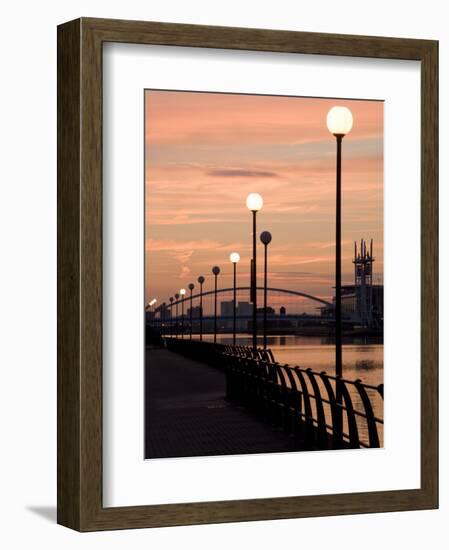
363	281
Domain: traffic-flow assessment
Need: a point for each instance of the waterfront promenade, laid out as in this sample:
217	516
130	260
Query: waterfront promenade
186	413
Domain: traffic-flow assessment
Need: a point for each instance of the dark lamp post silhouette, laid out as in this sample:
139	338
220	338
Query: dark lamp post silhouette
201	281
265	238
191	287
339	123
216	272
177	298
235	258
155	320
171	316
182	292
254	202
150	308
163	313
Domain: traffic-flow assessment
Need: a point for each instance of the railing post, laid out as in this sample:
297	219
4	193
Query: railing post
370	419
323	440
354	441
308	423
337	426
295	403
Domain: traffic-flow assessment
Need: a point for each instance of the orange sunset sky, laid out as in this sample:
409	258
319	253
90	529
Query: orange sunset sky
205	152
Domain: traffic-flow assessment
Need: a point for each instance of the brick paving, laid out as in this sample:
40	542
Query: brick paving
186	413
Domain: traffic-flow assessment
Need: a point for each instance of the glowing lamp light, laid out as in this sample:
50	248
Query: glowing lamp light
182	291
234	257
339	121
254	202
153	301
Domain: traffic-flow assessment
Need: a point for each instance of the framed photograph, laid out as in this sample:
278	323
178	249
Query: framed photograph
247	274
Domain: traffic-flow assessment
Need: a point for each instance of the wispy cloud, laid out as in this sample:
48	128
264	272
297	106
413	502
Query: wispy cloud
236	173
180	245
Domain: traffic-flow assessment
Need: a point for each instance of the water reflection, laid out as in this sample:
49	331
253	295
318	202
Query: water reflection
362	355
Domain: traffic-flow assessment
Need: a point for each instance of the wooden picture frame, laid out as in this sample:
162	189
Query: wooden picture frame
80	503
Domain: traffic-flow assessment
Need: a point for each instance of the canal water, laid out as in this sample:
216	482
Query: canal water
362	358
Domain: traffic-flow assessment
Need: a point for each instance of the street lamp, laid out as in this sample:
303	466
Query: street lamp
155	320
254	202
171	316
265	237
201	281
216	272
339	123
151	310
176	326
191	287
183	293
163	312
235	258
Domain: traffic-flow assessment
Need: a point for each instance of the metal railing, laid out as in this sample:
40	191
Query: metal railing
202	351
323	411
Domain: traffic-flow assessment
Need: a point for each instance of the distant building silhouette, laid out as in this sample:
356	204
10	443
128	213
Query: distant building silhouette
244	308
363	301
196	312
270	310
243	311
227	308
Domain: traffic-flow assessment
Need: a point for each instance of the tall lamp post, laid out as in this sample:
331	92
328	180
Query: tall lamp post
182	292
201	281
254	202
150	305
339	123
165	318
171	316
216	272
155	319
191	287
176	326
161	316
265	237
235	258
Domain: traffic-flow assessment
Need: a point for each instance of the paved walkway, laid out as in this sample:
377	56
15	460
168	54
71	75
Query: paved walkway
187	414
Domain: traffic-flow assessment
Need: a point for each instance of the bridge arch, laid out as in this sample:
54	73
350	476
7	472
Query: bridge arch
261	288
